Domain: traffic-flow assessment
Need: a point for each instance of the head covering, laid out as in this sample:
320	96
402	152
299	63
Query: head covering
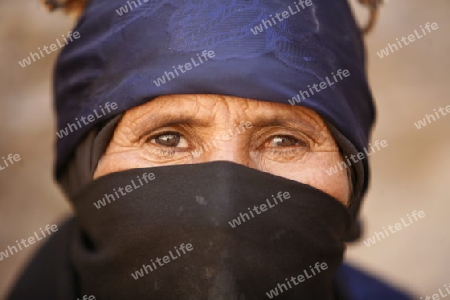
126	49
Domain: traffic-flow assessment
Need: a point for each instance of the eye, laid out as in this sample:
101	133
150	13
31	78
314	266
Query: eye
285	141
169	139
284	148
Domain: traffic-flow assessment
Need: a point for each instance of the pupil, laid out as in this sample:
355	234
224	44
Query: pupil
168	140
284	141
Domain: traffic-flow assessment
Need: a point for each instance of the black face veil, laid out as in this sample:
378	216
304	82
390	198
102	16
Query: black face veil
206	231
128	245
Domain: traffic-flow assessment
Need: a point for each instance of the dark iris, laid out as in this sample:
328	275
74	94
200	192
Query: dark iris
167	139
285	141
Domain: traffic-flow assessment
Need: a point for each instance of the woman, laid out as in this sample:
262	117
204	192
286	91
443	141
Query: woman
197	142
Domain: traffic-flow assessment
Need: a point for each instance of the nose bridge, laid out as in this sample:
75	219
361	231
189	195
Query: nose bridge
224	146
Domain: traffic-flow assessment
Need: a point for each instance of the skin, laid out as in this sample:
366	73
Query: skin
288	141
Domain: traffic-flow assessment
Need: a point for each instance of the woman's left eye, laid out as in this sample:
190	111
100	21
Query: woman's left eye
169	139
285	141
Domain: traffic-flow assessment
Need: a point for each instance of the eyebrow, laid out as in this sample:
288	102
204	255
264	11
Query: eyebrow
273	122
168	117
171	119
293	122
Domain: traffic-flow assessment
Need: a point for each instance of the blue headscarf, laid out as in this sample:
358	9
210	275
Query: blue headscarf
258	49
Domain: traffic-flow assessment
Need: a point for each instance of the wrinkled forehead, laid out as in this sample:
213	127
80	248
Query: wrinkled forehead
209	109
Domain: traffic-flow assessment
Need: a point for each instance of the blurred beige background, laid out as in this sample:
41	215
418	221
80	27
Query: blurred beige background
412	173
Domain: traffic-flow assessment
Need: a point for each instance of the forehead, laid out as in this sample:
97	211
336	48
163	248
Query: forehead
213	109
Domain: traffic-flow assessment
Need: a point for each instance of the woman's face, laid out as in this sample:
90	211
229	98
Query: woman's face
284	140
